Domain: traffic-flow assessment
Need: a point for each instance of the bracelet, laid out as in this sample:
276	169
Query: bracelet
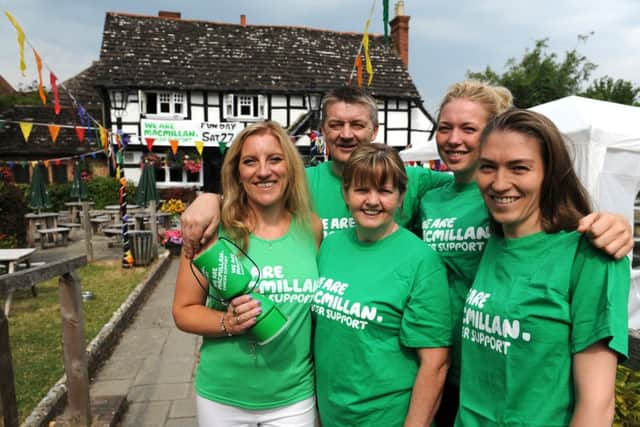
223	328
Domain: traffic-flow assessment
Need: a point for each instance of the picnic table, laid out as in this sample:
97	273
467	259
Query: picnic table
12	258
76	208
42	219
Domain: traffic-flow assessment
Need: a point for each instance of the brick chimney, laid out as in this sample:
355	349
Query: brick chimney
169	14
400	32
243	20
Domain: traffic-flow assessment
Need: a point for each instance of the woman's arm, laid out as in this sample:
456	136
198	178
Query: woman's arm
427	389
191	315
200	222
594	378
608	232
318	230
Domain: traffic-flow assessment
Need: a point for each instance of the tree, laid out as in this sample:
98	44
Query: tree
607	89
541	76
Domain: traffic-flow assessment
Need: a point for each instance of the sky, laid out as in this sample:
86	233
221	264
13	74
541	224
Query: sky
447	38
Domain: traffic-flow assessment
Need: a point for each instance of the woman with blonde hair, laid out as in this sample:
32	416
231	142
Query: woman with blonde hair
266	213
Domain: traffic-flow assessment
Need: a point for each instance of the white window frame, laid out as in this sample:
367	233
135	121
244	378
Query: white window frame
236	101
172	98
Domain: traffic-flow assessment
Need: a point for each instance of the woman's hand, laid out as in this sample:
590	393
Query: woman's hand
241	314
199	223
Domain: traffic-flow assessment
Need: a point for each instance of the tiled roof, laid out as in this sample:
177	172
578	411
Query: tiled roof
153	52
12	144
5	87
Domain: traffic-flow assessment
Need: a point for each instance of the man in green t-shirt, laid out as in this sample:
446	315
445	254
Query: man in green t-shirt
349	119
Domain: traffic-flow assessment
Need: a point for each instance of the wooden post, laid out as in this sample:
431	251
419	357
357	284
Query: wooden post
154	229
75	354
86	223
8	403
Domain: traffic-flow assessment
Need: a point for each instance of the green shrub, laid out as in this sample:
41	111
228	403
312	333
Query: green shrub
13	207
627	398
59	194
106	191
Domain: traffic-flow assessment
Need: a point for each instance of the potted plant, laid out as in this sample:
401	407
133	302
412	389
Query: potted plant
172	240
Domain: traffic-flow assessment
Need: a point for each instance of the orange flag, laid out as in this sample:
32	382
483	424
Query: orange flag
26	127
199	147
80	133
359	70
174	146
23	65
54	90
53	131
43	97
46	163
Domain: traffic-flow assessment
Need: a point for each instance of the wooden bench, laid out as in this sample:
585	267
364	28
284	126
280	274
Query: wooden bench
70	225
50	236
98	222
115	234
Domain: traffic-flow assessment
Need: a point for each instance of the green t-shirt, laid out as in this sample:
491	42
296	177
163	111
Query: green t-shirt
234	370
536	301
375	303
455	223
326	194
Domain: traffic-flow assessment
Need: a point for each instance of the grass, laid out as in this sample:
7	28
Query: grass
36	333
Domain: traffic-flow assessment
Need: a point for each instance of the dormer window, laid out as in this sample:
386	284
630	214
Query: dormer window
244	107
165	103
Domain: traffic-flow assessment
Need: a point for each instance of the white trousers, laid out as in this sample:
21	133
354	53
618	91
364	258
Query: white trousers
214	414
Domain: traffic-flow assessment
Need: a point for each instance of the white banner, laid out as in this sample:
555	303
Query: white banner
187	132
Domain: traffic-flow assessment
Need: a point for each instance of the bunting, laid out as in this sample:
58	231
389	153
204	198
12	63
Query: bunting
359	70
54	89
367	58
174	146
79	133
222	146
53	131
26	127
103	135
199	147
385	20
23	64
149	142
43	96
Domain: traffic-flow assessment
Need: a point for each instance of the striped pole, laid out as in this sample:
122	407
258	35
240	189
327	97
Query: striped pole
127	256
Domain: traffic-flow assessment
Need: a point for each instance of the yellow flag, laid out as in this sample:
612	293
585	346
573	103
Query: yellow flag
54	130
34	164
23	65
26	127
199	147
103	136
365	43
118	173
174	146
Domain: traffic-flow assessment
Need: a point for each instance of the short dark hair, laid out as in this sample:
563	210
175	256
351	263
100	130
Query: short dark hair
374	164
351	95
563	198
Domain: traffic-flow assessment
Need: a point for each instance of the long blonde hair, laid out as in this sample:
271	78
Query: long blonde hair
236	212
